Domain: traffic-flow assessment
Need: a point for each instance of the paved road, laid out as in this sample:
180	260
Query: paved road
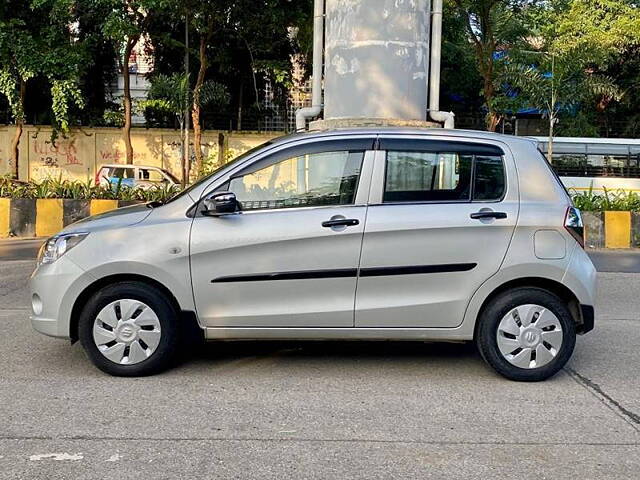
320	410
19	248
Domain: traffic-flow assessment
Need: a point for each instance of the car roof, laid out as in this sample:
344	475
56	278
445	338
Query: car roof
128	165
374	131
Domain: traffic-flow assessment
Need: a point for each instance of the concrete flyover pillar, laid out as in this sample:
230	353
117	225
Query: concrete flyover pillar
376	59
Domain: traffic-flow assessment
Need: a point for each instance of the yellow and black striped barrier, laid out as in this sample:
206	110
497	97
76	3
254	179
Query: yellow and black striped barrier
43	217
611	229
26	217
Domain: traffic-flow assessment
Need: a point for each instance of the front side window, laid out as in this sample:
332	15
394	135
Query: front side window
119	172
316	179
415	176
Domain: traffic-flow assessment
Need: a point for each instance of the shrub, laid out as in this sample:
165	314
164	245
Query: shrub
595	202
75	189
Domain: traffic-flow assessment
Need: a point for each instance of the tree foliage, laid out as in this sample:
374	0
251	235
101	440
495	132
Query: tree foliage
36	40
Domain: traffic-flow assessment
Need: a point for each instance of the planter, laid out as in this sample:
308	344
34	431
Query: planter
100	206
22	219
617	229
49	215
593	229
128	203
611	229
74	210
43	217
5	217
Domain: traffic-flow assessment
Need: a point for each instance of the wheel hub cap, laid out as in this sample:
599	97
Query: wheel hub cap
127	331
529	336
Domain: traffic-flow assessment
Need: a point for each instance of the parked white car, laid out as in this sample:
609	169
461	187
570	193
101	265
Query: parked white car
363	234
140	176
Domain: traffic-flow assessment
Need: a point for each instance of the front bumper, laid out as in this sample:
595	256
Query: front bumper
54	288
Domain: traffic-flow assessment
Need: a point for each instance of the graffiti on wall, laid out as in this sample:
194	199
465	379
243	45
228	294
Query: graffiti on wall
57	159
77	155
116	155
61	153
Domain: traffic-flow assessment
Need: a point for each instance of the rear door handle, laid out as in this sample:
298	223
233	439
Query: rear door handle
487	214
341	222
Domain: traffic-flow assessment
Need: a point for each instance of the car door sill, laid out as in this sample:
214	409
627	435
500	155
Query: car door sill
329	333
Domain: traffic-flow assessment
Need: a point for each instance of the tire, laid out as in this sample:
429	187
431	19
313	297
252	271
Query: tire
540	348
135	315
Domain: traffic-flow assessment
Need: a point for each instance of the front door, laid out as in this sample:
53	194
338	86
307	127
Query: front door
439	224
290	258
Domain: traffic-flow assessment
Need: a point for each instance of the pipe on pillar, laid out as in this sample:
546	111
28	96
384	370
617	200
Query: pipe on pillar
316	87
434	69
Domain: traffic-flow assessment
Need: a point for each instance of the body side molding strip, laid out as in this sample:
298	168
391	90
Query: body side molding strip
416	269
347	273
301	275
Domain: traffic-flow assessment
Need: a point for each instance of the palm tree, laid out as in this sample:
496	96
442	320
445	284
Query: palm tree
554	83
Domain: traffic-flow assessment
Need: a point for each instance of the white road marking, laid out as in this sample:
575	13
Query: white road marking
56	456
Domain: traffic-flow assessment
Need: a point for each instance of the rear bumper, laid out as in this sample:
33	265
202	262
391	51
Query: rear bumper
588	319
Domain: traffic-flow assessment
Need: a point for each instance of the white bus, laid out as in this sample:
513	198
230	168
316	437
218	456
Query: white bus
596	163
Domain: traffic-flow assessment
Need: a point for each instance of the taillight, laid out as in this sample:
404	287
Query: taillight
573	224
97	179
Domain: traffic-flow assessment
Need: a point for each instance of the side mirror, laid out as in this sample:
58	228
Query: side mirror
220	203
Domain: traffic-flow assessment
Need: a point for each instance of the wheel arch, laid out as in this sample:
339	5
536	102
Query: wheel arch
547	284
189	317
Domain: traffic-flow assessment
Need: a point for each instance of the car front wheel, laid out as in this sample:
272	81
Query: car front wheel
526	334
129	329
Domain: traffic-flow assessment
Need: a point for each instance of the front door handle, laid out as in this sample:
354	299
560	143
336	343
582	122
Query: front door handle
487	214
341	222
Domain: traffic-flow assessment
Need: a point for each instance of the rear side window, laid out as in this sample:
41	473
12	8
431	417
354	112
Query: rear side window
414	176
488	179
151	175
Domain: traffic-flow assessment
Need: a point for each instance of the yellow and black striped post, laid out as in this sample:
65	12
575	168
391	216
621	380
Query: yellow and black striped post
617	229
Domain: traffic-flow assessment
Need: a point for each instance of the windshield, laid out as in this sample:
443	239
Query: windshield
206	178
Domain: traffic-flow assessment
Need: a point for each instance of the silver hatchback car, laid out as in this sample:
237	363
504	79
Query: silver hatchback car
360	234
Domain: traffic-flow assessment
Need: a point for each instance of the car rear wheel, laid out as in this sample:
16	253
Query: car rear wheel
526	334
129	329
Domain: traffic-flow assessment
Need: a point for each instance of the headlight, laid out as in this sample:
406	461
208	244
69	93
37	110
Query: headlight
57	246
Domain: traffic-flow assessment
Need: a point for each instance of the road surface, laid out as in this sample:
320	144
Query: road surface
280	410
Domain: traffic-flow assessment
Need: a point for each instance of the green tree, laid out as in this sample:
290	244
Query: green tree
490	26
126	23
460	93
249	44
36	40
172	94
101	71
205	19
599	31
605	34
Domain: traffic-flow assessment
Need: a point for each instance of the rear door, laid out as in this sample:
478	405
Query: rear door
440	219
